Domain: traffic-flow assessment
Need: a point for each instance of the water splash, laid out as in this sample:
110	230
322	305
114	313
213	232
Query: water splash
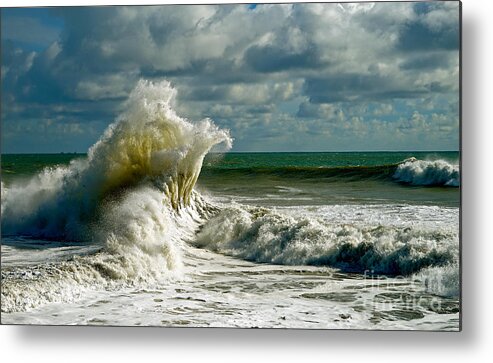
148	144
133	196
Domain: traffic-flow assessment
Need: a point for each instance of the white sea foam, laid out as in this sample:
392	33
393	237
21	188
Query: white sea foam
144	240
424	172
270	236
443	281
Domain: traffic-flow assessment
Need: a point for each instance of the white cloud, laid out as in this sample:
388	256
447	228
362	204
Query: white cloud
279	70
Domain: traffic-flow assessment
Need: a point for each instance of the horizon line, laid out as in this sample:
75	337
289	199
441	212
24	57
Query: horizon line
250	152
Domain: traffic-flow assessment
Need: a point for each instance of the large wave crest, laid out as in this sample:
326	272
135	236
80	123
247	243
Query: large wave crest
133	195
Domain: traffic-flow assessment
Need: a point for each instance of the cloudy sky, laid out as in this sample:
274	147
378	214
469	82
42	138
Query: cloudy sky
291	77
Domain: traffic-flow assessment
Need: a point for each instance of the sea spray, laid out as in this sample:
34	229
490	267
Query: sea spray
133	196
148	144
442	281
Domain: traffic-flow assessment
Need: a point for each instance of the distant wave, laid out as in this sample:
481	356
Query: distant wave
410	171
423	172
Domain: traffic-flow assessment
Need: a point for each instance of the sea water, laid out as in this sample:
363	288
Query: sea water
149	228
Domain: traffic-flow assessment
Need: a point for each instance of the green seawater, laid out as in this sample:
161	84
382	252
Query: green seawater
318	159
290	179
287	178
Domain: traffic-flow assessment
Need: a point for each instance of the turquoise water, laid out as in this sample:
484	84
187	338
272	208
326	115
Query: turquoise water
26	165
322	178
290	178
317	159
29	164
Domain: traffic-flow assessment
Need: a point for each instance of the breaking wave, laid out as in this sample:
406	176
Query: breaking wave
442	281
267	236
133	195
423	172
148	144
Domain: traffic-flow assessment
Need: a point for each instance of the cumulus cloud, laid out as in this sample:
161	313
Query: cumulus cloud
279	76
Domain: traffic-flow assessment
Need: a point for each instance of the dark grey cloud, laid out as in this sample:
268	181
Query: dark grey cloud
418	37
266	59
362	87
206	93
435	27
427	61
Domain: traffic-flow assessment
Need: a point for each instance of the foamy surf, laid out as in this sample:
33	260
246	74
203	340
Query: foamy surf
285	238
143	245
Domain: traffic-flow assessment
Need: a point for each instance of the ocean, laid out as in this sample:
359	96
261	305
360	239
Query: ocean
150	228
